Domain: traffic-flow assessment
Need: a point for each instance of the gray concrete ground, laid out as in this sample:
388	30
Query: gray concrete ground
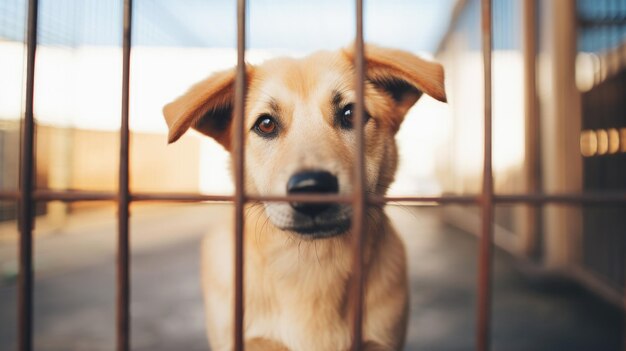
75	288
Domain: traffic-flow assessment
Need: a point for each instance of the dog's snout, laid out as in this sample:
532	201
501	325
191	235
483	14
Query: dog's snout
312	182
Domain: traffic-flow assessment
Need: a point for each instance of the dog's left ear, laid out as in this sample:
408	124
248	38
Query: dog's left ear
402	75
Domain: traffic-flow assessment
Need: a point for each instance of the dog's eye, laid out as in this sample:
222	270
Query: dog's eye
266	126
346	117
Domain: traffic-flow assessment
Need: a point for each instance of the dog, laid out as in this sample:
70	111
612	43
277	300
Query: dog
300	138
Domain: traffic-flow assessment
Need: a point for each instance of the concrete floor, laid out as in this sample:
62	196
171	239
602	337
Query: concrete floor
75	289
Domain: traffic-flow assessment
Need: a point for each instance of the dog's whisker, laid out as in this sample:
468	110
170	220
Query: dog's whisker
257	214
407	209
265	224
299	258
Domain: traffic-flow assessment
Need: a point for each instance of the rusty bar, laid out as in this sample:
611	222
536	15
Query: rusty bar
311	198
532	125
73	195
123	202
621	61
26	203
485	245
437	200
180	197
359	203
573	199
605	22
612	198
238	148
9	195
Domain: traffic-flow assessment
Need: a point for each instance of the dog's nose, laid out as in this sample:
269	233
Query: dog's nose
312	182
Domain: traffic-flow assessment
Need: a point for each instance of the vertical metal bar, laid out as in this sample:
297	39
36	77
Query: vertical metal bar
614	49
485	246
238	148
123	254
533	140
27	204
359	205
602	120
621	57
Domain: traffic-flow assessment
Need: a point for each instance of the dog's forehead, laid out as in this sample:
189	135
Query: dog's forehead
306	78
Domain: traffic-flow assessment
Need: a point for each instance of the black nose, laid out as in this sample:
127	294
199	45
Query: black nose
312	182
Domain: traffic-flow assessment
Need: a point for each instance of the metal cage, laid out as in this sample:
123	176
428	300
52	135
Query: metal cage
28	196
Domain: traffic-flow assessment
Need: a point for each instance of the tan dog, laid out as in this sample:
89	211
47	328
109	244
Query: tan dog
299	138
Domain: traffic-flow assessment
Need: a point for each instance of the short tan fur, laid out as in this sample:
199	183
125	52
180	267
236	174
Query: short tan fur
296	285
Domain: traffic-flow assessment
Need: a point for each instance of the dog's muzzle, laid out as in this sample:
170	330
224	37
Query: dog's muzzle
313	220
318	182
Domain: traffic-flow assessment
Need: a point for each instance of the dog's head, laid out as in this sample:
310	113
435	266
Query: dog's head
299	134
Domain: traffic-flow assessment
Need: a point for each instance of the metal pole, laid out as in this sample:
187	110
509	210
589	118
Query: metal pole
238	150
26	203
485	246
533	133
359	196
569	199
123	251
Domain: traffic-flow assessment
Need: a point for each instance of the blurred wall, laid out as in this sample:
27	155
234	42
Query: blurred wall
461	168
69	158
558	112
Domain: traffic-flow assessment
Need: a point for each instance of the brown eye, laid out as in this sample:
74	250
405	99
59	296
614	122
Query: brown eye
266	126
345	117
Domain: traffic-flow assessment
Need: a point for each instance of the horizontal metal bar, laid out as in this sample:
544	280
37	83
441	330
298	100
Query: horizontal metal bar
180	197
9	195
427	200
313	198
614	198
573	199
73	195
590	22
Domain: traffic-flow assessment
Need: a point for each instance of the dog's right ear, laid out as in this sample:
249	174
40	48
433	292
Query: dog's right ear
206	107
